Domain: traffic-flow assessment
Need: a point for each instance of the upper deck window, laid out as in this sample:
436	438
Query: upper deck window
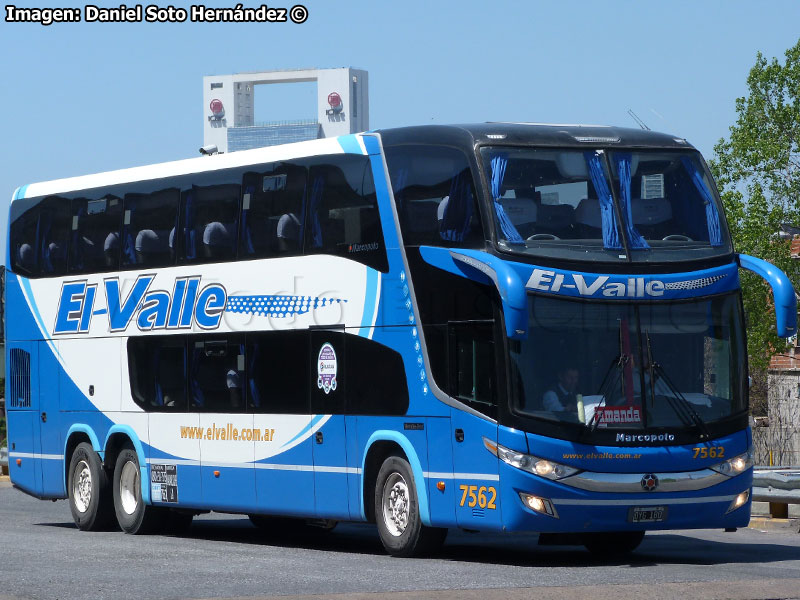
604	206
343	217
435	196
40	233
94	244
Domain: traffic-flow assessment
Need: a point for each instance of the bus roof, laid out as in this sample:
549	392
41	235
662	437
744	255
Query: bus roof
462	135
537	134
188	166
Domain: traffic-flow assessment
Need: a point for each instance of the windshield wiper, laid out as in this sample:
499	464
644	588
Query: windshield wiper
677	402
606	388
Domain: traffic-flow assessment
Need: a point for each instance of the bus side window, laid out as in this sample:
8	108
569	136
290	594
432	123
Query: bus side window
216	374
23	243
343	211
272	212
149	228
157	367
210	223
277	372
376	378
472	365
94	243
435	196
53	235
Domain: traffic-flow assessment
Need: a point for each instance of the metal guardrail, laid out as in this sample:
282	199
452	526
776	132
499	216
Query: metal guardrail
780	486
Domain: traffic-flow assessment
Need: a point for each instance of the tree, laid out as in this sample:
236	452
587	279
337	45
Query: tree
758	171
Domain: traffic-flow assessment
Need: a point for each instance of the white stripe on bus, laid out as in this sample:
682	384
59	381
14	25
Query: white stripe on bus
36	455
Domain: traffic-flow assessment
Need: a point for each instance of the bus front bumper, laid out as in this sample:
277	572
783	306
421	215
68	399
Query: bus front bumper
532	503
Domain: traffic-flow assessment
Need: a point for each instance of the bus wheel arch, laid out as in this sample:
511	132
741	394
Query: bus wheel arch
75	436
397	510
378	452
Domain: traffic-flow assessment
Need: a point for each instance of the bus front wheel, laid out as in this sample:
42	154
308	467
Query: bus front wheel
397	512
89	490
133	515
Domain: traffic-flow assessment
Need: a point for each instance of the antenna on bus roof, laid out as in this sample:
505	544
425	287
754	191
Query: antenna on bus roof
639	122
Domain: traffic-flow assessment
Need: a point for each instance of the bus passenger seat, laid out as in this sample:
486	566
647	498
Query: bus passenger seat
150	247
26	256
216	240
556	219
111	249
54	258
588	219
652	217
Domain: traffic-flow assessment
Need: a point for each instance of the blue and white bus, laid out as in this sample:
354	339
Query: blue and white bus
496	327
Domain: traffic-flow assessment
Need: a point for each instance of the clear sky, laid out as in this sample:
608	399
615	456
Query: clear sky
90	97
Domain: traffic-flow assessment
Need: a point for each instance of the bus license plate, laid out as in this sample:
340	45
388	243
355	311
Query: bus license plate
647	514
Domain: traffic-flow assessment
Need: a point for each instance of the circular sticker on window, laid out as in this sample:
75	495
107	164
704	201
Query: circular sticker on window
326	368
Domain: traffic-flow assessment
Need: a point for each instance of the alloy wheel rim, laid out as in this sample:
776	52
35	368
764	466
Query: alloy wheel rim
82	486
129	487
396	504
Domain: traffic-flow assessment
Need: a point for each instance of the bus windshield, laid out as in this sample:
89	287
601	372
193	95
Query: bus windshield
630	366
604	205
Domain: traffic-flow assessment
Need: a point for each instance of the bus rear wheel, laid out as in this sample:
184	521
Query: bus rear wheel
133	515
397	512
616	543
89	490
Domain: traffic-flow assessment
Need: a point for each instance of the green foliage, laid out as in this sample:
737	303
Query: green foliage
758	171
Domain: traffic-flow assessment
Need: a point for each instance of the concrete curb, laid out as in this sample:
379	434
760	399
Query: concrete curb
770	524
5	478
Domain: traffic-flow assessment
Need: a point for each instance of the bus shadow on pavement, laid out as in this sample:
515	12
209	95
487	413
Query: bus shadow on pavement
510	550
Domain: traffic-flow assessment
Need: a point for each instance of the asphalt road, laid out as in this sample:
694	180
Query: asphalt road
43	555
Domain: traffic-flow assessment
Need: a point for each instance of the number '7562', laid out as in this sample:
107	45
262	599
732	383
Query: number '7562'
483	497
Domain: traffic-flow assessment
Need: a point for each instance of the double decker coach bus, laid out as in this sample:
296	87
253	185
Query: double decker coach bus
496	327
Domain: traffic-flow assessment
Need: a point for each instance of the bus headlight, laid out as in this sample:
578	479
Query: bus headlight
527	462
734	466
739	501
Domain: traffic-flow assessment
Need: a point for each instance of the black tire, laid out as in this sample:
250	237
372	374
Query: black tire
397	512
614	543
133	515
89	490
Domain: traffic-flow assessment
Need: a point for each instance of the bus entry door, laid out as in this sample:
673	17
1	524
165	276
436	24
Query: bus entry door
327	404
472	368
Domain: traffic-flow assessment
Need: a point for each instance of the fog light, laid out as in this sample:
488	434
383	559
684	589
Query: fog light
739	501
540	505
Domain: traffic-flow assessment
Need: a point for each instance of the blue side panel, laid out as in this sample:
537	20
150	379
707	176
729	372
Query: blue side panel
285	483
330	476
26	473
229	488
475	478
354	475
50	424
20	323
440	467
24	444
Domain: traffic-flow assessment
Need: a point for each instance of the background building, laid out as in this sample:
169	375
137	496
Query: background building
229	108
